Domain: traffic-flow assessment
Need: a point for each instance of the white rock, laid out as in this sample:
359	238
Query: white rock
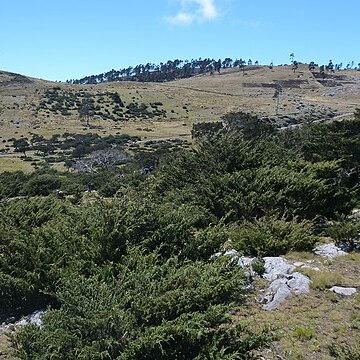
281	294
276	267
231	252
277	284
329	250
298	263
36	318
298	283
343	291
245	261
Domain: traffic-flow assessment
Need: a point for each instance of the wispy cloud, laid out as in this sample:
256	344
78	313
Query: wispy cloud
254	24
194	11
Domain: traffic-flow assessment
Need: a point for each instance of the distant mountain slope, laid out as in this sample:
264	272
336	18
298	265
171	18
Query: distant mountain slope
158	110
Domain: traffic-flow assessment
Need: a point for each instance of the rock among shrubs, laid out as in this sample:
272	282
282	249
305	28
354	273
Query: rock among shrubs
284	280
329	250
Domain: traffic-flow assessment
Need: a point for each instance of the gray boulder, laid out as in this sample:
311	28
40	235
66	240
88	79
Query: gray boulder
343	290
277	267
278	293
329	250
298	283
284	281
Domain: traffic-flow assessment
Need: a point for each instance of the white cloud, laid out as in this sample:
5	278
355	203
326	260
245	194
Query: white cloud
208	9
181	18
194	11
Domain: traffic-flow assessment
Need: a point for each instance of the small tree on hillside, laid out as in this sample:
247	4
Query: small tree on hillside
295	66
218	66
312	66
330	66
292	56
21	145
276	96
242	64
86	110
322	71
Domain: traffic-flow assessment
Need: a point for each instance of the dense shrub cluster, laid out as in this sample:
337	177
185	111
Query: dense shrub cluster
46	181
134	278
272	236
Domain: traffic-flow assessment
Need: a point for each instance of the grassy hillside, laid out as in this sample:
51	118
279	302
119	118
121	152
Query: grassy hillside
162	110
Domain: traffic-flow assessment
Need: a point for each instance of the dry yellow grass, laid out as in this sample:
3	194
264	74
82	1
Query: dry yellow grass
186	101
14	164
308	324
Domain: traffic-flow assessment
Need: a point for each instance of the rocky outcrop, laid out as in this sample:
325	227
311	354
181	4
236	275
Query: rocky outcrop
277	293
329	251
277	267
285	281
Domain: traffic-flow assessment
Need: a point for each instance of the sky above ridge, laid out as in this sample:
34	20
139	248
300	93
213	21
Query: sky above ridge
69	39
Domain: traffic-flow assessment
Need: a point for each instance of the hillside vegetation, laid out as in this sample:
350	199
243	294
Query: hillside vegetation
115	197
134	277
31	107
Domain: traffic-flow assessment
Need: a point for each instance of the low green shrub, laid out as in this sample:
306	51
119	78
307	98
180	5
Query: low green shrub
259	266
345	351
13	293
144	309
304	333
345	233
269	236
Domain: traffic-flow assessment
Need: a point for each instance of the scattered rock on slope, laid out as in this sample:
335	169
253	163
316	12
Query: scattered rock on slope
284	280
329	250
343	290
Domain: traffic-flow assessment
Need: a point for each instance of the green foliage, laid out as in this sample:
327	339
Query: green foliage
251	126
203	129
133	277
269	236
345	232
11	184
248	180
337	140
345	351
21	145
149	310
42	184
304	333
259	266
13	293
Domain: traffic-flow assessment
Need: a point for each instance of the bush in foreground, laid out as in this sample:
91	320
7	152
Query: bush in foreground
143	309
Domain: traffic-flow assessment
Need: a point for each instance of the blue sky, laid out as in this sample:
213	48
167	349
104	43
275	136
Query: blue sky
66	39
